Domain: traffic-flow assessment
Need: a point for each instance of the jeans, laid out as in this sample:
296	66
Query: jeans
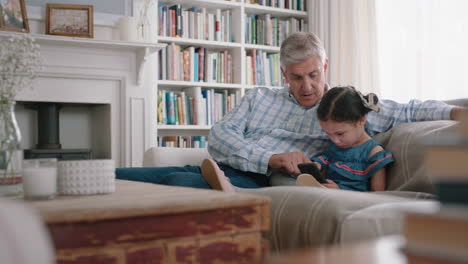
190	176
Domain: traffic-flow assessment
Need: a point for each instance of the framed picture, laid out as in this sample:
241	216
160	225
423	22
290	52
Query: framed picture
13	16
69	20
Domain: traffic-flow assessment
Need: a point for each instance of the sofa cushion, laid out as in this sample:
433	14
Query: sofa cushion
406	142
166	157
303	216
380	220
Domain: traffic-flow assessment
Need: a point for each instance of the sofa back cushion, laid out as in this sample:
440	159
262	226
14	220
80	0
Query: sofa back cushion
407	142
166	157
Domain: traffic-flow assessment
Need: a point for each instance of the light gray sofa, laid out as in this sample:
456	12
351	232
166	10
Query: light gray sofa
308	216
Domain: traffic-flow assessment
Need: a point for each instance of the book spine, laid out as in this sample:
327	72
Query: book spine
170	108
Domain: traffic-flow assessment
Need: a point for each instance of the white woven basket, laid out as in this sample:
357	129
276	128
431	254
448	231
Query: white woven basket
78	177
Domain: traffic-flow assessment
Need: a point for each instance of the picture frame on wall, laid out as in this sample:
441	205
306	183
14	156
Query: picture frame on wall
13	16
70	20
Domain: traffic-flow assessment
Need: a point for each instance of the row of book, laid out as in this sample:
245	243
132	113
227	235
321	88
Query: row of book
182	141
442	236
288	4
194	106
268	30
195	23
195	64
262	68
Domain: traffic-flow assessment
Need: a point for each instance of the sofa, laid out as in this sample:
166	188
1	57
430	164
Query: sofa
308	216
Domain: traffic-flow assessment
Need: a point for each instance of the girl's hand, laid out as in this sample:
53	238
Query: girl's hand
331	184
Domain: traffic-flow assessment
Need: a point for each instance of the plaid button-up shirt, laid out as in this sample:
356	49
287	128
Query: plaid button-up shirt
270	121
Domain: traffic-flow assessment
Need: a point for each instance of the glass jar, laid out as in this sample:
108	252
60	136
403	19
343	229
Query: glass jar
39	178
11	155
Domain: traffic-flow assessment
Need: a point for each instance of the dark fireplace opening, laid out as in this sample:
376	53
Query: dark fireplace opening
49	145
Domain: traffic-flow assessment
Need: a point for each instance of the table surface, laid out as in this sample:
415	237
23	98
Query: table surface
385	250
133	199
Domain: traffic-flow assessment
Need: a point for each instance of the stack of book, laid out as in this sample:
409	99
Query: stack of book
442	236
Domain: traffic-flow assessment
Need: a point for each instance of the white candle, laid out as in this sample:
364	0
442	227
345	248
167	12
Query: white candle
128	28
39	182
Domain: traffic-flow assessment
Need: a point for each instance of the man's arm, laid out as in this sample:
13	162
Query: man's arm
393	113
227	142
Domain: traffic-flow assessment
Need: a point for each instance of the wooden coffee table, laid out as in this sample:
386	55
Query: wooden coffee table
149	223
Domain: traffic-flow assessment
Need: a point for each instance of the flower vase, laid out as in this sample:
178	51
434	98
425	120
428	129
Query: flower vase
11	155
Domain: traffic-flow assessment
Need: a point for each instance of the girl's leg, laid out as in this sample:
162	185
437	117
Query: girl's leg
308	180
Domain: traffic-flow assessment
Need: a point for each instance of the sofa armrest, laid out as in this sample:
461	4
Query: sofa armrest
166	157
407	143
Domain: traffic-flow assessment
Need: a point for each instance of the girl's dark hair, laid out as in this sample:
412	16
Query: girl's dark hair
345	104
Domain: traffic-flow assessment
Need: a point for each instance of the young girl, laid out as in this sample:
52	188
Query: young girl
354	161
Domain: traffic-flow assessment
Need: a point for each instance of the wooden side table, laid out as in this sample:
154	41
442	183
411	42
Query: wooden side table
149	223
381	251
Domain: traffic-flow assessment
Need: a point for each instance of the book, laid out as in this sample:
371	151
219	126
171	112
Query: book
201	63
170	141
441	234
199	107
177	10
186	64
170	108
447	166
462	127
447	161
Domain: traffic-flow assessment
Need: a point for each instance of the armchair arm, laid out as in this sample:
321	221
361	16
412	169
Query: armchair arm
165	157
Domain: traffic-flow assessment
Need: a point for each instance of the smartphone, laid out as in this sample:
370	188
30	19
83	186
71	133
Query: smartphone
312	169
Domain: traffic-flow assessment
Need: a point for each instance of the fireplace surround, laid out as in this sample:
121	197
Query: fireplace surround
111	79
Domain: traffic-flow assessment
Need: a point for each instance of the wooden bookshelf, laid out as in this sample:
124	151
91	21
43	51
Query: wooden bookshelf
239	47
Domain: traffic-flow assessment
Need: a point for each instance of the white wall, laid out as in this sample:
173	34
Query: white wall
117	7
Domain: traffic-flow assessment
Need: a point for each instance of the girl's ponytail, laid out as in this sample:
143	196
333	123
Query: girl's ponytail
370	101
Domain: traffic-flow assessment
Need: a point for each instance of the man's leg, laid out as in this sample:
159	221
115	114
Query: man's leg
188	176
279	178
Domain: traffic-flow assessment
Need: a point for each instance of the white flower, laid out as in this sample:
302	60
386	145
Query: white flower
19	62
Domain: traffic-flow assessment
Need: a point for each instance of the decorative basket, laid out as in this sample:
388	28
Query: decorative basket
82	177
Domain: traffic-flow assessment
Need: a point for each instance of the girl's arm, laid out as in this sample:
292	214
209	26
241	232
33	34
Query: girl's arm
378	180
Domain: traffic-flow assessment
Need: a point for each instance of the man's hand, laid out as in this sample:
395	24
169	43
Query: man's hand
287	162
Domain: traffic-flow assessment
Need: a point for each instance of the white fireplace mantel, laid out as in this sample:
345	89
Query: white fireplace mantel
110	74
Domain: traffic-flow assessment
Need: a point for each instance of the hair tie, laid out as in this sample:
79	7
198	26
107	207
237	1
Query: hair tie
370	102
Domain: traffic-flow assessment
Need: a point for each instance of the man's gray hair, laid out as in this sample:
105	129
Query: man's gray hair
299	46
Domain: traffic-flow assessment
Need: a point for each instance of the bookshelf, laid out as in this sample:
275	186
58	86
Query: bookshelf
249	33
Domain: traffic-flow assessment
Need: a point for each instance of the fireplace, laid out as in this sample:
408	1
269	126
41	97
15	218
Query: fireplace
48	135
101	90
